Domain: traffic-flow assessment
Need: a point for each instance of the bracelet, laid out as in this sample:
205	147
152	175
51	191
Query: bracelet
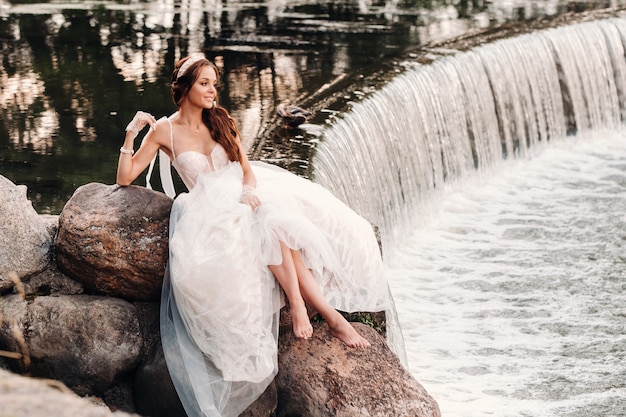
128	151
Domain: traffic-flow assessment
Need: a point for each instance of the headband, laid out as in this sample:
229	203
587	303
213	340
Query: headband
189	62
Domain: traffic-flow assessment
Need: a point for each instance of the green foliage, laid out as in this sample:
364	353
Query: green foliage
374	320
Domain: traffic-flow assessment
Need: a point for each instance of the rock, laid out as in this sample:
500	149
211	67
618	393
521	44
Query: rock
155	395
25	244
28	397
87	342
51	281
265	405
51	221
115	240
154	392
13	321
120	396
322	377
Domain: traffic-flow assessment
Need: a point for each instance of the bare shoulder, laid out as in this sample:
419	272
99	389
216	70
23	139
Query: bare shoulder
161	135
161	132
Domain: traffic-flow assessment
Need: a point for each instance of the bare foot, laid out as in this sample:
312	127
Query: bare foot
344	331
302	327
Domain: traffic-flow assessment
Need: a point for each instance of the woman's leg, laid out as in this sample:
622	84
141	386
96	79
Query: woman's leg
287	277
310	290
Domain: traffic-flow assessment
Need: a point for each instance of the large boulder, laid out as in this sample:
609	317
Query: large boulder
28	397
322	377
87	342
25	243
115	240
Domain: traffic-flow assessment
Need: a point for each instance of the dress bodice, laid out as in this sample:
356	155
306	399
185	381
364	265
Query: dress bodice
190	164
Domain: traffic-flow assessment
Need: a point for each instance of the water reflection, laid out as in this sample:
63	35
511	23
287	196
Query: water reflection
73	73
29	120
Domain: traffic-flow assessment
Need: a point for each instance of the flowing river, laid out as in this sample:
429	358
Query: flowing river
497	177
512	293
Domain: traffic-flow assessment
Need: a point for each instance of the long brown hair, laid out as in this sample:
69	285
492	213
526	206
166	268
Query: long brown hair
222	127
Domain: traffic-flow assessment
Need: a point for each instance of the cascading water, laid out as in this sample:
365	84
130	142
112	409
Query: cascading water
438	122
498	179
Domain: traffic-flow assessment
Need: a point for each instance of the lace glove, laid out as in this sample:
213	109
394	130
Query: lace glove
140	120
249	197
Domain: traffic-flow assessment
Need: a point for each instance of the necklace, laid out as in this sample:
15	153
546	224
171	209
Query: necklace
188	124
195	131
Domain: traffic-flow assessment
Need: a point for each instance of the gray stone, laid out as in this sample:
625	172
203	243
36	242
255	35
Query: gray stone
25	244
29	397
87	342
13	322
51	281
51	221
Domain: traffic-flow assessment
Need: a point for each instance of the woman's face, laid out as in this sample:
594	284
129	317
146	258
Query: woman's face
203	92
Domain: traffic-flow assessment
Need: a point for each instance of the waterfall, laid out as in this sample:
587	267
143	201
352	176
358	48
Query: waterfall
466	112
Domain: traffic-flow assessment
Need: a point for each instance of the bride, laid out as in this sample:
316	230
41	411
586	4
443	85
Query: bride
241	227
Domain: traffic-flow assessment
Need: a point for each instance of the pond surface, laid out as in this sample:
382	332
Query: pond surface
73	73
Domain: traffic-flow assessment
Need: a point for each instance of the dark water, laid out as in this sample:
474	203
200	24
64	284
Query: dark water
73	73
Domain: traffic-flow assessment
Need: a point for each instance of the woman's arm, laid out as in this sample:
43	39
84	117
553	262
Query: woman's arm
131	163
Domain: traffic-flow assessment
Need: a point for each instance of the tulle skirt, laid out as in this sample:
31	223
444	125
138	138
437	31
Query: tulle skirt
220	302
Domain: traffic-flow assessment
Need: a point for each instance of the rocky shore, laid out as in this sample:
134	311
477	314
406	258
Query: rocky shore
79	322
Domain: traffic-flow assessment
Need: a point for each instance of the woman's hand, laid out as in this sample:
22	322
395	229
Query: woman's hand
248	197
129	167
140	120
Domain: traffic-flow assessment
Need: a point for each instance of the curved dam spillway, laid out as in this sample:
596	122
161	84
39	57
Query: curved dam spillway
471	110
498	180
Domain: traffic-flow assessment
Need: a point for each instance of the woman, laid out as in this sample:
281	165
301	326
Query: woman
241	225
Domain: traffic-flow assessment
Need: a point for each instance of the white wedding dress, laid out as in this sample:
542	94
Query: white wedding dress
220	302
